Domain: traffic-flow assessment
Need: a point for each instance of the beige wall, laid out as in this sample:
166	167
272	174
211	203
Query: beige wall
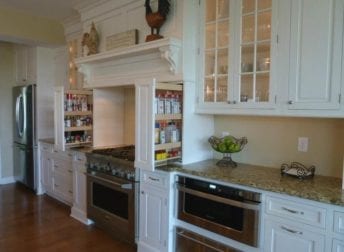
273	141
19	27
7	81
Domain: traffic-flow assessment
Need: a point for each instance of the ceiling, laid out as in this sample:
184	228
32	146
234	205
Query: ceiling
53	9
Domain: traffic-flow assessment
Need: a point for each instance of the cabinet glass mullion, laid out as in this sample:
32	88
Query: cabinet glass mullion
255	50
216	50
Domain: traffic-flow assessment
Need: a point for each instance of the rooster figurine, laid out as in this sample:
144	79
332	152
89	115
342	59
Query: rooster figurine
156	19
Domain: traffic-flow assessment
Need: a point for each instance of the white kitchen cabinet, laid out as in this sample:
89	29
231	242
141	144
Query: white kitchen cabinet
56	172
281	236
151	148
45	166
154	212
26	65
315	54
79	208
282	59
237	54
292	225
72	117
62	176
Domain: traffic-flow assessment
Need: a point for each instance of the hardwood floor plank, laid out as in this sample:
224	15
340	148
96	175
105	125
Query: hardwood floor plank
39	223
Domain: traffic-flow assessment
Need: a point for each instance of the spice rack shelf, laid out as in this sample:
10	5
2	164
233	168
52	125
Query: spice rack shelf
168	146
81	128
162	117
76	113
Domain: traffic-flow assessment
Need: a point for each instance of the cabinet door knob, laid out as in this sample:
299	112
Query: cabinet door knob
142	192
234	102
229	102
290	102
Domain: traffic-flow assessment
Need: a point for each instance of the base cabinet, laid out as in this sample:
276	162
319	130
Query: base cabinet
79	208
338	246
56	173
286	237
153	214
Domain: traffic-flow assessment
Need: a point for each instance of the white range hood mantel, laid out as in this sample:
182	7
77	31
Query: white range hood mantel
125	65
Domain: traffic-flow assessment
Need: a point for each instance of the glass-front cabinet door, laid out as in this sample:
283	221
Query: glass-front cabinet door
237	53
216	50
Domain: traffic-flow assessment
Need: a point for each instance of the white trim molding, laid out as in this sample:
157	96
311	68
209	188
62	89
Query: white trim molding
7	180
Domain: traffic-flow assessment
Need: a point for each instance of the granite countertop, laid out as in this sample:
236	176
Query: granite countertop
319	188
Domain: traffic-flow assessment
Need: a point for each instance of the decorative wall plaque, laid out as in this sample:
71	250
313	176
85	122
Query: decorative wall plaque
123	39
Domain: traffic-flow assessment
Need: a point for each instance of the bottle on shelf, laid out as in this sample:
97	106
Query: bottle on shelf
157	133
162	133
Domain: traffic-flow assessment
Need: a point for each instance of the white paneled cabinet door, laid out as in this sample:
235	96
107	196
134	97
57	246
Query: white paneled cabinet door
315	54
153	218
144	121
282	237
58	118
45	164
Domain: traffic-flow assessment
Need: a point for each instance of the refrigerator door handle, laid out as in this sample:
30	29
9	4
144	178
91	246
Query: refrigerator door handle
19	122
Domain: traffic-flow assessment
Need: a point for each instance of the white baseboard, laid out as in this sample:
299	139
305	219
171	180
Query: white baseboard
7	180
80	216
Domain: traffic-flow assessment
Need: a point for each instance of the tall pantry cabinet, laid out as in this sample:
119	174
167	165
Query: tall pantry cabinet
73	118
158	123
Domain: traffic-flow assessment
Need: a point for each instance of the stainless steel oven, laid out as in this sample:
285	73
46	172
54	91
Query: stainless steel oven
225	210
111	204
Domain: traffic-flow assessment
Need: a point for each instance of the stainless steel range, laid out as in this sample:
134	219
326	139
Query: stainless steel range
112	191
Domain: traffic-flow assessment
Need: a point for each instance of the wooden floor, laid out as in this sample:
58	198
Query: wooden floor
40	223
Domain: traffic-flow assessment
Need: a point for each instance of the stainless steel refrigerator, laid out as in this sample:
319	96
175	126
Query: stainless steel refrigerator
25	142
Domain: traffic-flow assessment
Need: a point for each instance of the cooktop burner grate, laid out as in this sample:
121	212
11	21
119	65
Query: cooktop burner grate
125	152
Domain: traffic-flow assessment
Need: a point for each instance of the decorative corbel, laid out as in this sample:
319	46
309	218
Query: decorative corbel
171	54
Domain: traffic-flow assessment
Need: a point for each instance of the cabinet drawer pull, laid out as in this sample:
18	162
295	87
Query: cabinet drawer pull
70	171
291	230
290	102
79	159
70	191
154	179
291	211
69	154
142	192
56	185
56	166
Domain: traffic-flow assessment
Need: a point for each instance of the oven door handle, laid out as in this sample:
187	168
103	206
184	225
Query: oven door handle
126	186
251	206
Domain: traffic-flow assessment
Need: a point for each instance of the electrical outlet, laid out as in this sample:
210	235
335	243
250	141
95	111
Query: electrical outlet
302	144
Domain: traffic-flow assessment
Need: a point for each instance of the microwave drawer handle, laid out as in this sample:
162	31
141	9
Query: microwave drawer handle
244	205
127	186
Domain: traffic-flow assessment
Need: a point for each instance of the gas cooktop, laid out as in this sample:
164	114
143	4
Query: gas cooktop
124	152
117	162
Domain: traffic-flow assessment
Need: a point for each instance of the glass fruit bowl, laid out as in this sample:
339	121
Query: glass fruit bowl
227	145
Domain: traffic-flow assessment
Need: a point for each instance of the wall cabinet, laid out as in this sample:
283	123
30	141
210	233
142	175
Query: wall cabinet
26	65
153	212
73	117
276	57
237	51
158	123
315	54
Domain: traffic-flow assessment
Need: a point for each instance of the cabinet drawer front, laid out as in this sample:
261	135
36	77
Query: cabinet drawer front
63	184
154	179
63	167
45	147
339	222
63	154
80	157
305	213
289	236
